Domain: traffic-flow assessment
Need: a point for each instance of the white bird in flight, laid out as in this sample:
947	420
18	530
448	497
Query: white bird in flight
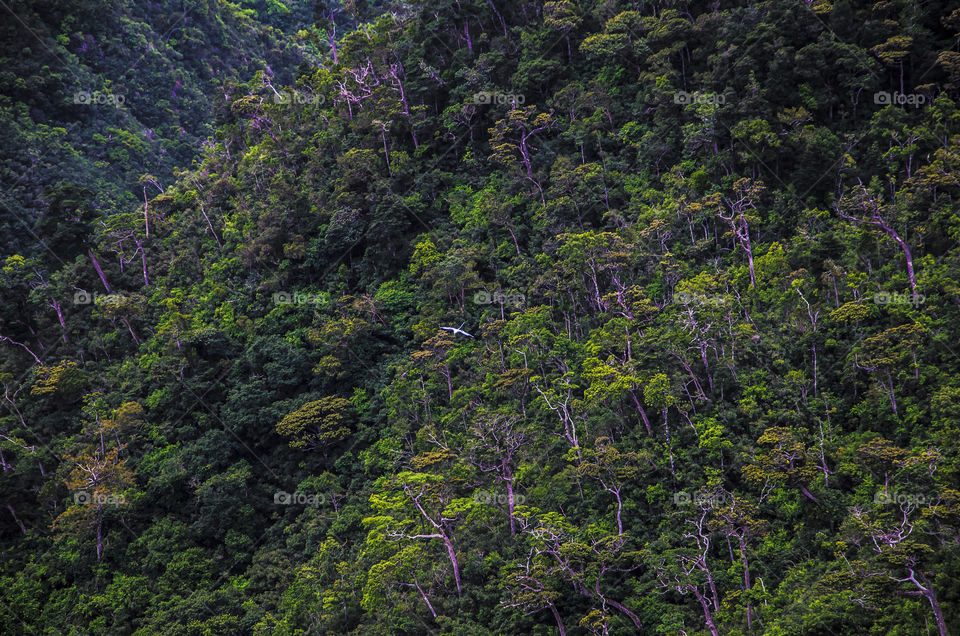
457	330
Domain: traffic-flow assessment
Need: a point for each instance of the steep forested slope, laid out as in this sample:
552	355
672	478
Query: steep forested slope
111	96
705	259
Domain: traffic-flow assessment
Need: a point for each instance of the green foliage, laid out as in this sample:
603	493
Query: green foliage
709	279
316	424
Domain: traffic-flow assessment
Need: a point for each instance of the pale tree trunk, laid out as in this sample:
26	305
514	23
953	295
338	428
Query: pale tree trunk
875	219
146	217
746	191
925	589
508	478
707	614
746	579
633	617
331	40
130	329
20	344
453	561
643	414
99	533
893	397
619	512
63	325
556	617
425	599
143	258
806	493
447	541
612	603
906	253
210	225
23	529
713	590
96	266
386	152
666	429
13	403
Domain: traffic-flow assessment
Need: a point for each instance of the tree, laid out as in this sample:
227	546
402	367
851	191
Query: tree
581	557
99	477
784	461
516	134
318	424
886	353
657	394
895	533
417	506
740	520
498	440
862	208
611	469
746	192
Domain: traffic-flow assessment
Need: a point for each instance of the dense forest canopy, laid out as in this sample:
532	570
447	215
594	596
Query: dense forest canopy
480	317
113	97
